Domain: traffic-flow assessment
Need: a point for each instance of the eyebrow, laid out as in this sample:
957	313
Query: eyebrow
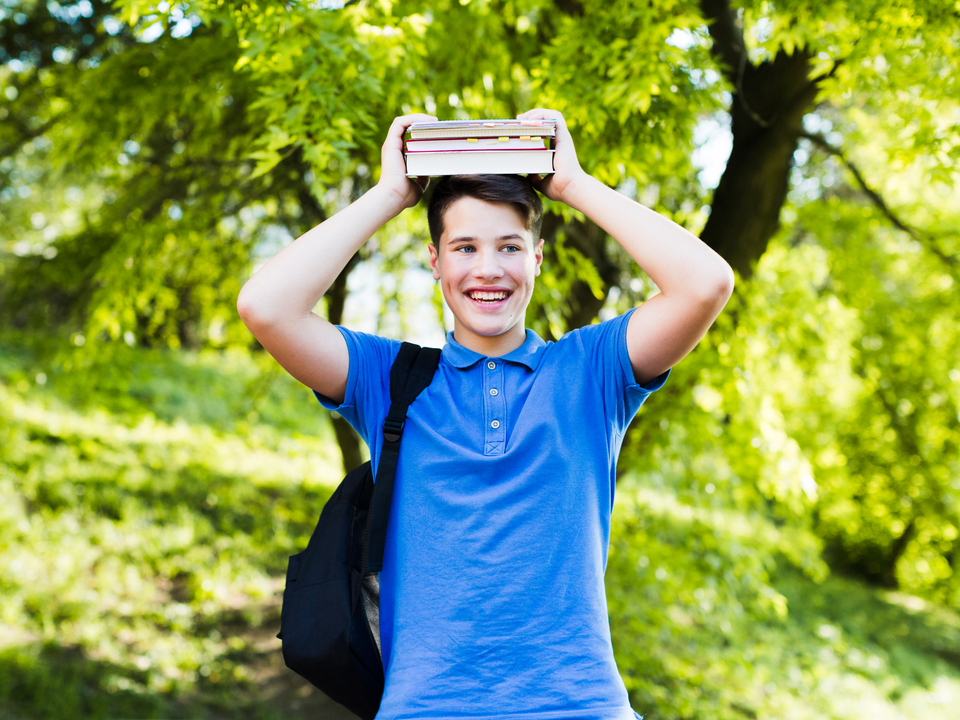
471	238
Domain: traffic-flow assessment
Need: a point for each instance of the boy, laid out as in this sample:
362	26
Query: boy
492	600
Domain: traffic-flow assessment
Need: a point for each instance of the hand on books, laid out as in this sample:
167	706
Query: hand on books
393	170
566	166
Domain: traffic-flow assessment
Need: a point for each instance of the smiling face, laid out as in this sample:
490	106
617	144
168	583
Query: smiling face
486	264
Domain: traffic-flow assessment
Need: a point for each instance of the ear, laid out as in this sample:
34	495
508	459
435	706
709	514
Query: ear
434	261
538	256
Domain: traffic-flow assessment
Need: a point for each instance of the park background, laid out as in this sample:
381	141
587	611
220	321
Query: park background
785	540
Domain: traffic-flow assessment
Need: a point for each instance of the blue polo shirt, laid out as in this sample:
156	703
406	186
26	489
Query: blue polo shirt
492	601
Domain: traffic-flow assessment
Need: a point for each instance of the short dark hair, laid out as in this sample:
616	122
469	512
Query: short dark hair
513	190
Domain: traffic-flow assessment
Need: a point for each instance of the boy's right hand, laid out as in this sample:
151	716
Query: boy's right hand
277	302
561	185
393	170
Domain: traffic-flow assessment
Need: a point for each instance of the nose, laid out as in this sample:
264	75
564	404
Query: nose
488	265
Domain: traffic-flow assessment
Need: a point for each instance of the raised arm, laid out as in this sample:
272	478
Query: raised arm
277	303
695	283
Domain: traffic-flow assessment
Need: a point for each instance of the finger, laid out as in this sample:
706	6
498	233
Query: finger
405	121
540	182
400	124
541	114
415	117
393	142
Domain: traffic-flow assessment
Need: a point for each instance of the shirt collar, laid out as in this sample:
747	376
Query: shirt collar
527	354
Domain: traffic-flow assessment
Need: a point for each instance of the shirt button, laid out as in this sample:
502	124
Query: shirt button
493	391
495	424
491	365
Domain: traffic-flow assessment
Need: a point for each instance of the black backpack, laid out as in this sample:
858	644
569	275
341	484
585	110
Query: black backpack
330	619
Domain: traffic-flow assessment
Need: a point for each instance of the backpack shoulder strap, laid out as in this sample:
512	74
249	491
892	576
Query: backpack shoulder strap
412	371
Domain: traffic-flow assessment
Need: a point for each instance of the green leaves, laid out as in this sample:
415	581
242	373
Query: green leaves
626	91
315	77
151	500
145	174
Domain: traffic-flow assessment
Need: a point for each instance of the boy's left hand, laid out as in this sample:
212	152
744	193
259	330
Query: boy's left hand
567	171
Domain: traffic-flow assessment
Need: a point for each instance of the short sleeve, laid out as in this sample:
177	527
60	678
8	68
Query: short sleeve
367	396
605	346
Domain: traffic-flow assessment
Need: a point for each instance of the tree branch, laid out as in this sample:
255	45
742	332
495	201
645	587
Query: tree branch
727	36
925	238
731	49
574	8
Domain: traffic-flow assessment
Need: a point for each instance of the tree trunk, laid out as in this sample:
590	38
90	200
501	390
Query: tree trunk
349	443
589	240
347	437
769	102
888	577
336	297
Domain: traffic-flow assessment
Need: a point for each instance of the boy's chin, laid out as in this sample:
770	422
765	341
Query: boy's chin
487	331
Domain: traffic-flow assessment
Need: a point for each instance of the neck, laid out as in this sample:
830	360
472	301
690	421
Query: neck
494	346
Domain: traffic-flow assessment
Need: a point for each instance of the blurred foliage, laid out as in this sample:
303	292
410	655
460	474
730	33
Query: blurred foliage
149	512
145	531
708	623
786	539
826	398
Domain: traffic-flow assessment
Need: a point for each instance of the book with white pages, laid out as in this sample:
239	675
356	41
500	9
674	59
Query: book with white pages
473	144
480	162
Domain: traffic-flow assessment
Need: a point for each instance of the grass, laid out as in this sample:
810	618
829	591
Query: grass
148	526
712	618
151	499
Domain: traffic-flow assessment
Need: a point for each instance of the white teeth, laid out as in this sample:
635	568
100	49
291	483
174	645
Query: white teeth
488	296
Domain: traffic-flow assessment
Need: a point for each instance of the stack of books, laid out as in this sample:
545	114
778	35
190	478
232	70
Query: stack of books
474	147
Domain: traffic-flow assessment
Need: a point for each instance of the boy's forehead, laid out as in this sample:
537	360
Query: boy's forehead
469	216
